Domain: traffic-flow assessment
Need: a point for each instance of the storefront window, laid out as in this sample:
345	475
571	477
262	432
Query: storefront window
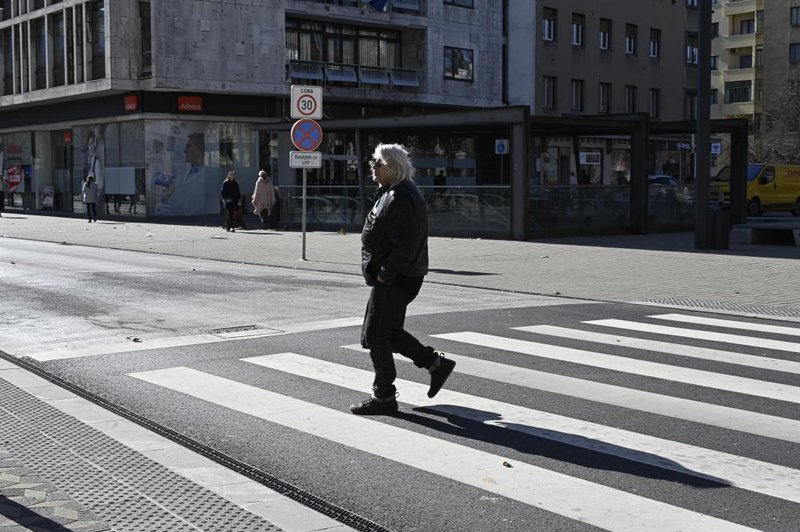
186	162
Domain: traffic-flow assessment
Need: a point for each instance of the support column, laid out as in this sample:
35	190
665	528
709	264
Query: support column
520	170
739	174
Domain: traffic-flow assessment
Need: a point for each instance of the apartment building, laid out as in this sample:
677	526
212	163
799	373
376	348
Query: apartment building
159	98
737	58
587	58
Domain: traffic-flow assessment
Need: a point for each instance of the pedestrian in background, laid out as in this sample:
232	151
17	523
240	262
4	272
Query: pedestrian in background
394	261
3	190
264	200
89	194
230	196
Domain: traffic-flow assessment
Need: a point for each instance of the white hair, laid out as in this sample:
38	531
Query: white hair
397	161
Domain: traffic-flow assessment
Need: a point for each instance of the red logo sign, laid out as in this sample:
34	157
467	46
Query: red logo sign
190	104
67	137
131	102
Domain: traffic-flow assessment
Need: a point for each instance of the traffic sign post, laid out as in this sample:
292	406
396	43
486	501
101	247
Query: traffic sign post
501	148
306	136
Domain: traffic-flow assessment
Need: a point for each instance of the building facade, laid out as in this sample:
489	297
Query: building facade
159	98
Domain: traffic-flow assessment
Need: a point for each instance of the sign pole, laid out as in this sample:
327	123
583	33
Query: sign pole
304	213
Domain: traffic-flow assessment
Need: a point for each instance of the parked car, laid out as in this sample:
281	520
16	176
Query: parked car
668	188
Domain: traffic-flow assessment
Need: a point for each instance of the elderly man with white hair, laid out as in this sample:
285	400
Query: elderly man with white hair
394	261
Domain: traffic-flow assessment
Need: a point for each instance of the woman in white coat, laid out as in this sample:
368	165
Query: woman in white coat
264	199
90	193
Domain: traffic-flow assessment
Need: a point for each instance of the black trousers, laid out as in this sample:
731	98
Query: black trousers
230	212
383	332
91	211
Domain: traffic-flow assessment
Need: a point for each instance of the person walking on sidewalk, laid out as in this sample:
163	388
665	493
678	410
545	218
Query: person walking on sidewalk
3	190
230	196
394	261
90	193
264	200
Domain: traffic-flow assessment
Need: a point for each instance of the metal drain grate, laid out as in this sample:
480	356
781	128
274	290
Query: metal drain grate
322	506
765	311
226	330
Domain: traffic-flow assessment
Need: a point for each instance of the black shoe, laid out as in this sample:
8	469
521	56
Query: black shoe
373	406
440	374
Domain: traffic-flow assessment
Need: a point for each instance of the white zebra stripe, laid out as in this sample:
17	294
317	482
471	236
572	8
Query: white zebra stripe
741	472
750	341
729	324
708	379
704	353
574	498
675	407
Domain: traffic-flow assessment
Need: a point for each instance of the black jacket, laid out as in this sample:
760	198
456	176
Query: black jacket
230	193
395	236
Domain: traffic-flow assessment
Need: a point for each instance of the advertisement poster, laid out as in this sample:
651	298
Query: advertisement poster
47	193
175	161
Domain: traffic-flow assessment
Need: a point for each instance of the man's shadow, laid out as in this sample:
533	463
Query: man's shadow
579	450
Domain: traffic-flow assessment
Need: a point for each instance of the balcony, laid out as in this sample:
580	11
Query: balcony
739	74
357	75
410	6
741	40
737	7
730	110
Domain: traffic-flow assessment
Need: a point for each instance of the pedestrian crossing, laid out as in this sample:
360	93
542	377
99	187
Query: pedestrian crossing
588	501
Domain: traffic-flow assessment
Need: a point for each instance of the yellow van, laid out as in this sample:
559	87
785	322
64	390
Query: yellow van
770	187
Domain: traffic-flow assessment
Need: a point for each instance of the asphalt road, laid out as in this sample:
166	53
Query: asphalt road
538	429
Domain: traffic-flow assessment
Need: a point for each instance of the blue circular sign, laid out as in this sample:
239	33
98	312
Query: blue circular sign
306	135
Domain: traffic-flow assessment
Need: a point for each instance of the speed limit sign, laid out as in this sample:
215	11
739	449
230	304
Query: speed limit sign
306	102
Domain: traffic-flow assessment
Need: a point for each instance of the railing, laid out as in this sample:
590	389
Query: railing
570	209
328	72
456	210
392	5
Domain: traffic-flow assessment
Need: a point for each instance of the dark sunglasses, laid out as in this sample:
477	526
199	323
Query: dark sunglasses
376	163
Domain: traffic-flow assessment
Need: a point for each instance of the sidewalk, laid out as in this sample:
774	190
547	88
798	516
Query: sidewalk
60	442
658	268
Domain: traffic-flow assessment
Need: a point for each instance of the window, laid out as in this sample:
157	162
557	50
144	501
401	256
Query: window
549	20
96	36
758	87
458	64
460	3
738	92
690	102
655	43
605	34
747	26
760	21
714	62
630	99
630	38
577	95
691	3
691	49
655	103
760	56
714	29
549	92
308	40
794	16
714	96
745	60
578	22
57	36
794	52
604	100
147	46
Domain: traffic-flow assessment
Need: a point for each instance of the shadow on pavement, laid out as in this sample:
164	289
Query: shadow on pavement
570	448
